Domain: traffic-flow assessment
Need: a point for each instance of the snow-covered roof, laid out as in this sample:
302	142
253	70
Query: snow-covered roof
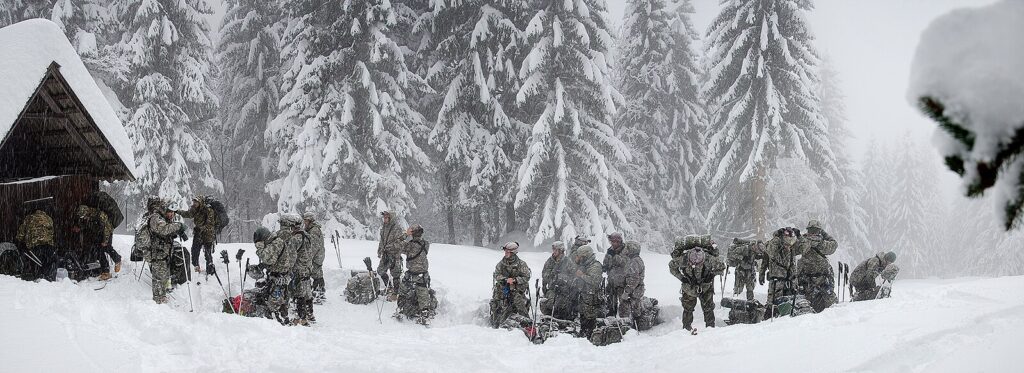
28	48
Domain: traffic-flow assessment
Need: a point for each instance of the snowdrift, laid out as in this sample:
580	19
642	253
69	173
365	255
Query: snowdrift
929	326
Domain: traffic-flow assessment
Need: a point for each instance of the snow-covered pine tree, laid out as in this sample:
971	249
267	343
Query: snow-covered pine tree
878	195
168	92
569	183
83	22
845	217
248	54
344	144
14	11
910	216
762	103
476	54
663	118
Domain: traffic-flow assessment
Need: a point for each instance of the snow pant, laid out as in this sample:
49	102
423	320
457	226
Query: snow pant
278	296
864	290
819	289
630	301
302	290
707	305
319	290
390	270
591	307
744	279
559	303
104	253
506	302
207	248
612	295
160	276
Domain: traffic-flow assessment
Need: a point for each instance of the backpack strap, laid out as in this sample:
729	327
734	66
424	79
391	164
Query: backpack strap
423	248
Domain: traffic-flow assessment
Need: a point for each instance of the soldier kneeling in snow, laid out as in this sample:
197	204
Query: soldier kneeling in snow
511	287
863	277
415	298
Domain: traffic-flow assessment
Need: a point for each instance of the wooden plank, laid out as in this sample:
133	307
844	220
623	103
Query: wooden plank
72	131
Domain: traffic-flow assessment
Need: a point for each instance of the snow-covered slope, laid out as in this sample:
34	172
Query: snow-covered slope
930	326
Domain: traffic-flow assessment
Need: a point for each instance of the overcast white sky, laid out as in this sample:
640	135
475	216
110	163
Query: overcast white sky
871	43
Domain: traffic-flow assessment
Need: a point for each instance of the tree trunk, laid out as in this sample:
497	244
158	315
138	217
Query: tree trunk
478	231
510	217
449	207
759	210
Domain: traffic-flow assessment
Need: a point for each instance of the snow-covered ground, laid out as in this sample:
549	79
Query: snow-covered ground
964	325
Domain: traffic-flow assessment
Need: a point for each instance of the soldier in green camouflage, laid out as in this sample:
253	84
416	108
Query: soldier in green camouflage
863	277
779	265
316	239
416	299
511	285
204	231
162	231
814	272
35	234
578	241
614	265
93	233
301	280
278	256
696	270
389	250
558	275
743	255
633	281
588	282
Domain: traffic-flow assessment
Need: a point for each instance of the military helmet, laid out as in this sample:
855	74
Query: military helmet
584	250
290	220
260	235
890	257
156	204
417	230
581	240
814	224
309	215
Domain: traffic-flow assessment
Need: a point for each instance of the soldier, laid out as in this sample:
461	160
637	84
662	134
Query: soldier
389	247
93	232
580	240
614	264
633	281
780	265
416	299
162	231
204	231
511	285
558	275
278	256
814	273
301	281
744	254
696	269
863	276
316	239
35	234
588	282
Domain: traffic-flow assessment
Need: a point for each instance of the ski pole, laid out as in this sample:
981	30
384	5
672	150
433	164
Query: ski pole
188	280
337	249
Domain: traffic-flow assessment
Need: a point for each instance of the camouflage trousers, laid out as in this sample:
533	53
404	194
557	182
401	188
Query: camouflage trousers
629	301
415	295
864	291
613	293
559	303
161	276
707	306
390	264
506	302
302	287
819	290
278	295
744	279
778	287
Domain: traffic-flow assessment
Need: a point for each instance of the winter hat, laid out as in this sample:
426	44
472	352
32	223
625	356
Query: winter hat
584	251
890	257
615	237
260	235
558	245
814	224
417	230
511	246
290	220
581	240
309	216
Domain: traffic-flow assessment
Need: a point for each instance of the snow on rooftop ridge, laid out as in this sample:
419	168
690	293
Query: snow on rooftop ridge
28	48
972	60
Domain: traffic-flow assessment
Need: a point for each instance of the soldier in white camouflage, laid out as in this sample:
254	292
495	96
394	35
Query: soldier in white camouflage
389	250
633	281
416	299
815	277
588	283
862	279
558	275
695	266
779	266
162	232
511	285
316	240
614	265
278	256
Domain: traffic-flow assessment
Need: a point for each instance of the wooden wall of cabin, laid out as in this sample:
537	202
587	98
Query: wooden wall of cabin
67	192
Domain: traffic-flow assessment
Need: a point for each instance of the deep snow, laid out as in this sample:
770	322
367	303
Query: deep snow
929	326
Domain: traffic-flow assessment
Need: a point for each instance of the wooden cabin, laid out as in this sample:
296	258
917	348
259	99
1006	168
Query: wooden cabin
60	135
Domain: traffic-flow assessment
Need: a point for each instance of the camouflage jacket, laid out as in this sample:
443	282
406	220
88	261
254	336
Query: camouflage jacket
416	251
204	222
92	230
162	234
696	280
280	252
512	267
867	270
35	230
815	248
615	264
558	273
634	270
303	254
316	241
589	276
392	237
780	260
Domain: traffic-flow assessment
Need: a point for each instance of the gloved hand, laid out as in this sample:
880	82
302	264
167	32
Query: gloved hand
796	231
238	255
184	237
260	245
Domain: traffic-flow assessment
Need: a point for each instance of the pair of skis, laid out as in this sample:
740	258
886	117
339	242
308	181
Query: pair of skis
843	277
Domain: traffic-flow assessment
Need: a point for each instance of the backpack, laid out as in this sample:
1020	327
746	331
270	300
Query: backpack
221	214
143	240
11	261
104	202
606	335
738	251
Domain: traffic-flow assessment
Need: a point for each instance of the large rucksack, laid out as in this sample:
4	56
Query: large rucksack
143	240
12	263
104	202
739	251
221	213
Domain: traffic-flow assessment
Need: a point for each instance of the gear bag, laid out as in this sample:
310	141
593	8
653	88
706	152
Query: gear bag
362	288
221	213
178	264
104	202
11	261
739	251
143	239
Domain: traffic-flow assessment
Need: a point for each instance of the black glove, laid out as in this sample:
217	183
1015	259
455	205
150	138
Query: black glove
796	231
184	237
238	255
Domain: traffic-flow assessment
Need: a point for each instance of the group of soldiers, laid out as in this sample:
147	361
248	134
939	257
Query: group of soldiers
576	286
411	287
